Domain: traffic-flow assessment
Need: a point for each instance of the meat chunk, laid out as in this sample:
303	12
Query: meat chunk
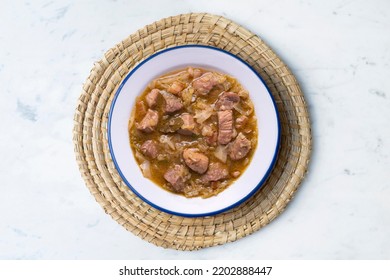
210	134
150	149
149	122
206	82
217	171
141	108
225	126
151	97
189	126
240	147
176	87
172	103
194	72
226	101
212	139
241	121
177	177
195	160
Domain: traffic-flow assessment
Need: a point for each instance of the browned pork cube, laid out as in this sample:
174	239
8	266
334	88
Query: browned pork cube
149	122
212	140
141	108
225	126
172	103
195	160
240	147
177	177
217	171
176	87
210	134
151	97
194	72
150	149
241	121
188	127
206	82
227	100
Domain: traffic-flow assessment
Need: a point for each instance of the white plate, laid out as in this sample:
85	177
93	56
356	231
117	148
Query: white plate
210	58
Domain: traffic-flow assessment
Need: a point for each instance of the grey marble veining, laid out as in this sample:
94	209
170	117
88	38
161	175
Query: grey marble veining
340	54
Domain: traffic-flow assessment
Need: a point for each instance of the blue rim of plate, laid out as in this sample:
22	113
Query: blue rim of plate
258	186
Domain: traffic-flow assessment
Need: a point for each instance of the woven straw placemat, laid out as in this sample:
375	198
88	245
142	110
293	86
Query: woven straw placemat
103	180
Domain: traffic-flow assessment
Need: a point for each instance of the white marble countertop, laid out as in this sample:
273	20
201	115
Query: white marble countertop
339	52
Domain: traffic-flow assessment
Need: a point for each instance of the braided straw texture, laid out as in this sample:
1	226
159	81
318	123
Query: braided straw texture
105	184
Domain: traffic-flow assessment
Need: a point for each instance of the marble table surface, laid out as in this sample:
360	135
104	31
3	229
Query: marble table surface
340	53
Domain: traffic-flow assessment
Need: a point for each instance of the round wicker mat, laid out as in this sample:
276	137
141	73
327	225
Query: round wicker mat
103	180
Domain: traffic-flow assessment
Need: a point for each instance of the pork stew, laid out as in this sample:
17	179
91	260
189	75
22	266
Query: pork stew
193	132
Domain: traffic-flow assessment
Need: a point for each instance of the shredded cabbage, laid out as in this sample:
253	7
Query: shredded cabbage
203	112
164	139
221	153
145	167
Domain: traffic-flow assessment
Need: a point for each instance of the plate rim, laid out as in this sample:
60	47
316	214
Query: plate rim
212	213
